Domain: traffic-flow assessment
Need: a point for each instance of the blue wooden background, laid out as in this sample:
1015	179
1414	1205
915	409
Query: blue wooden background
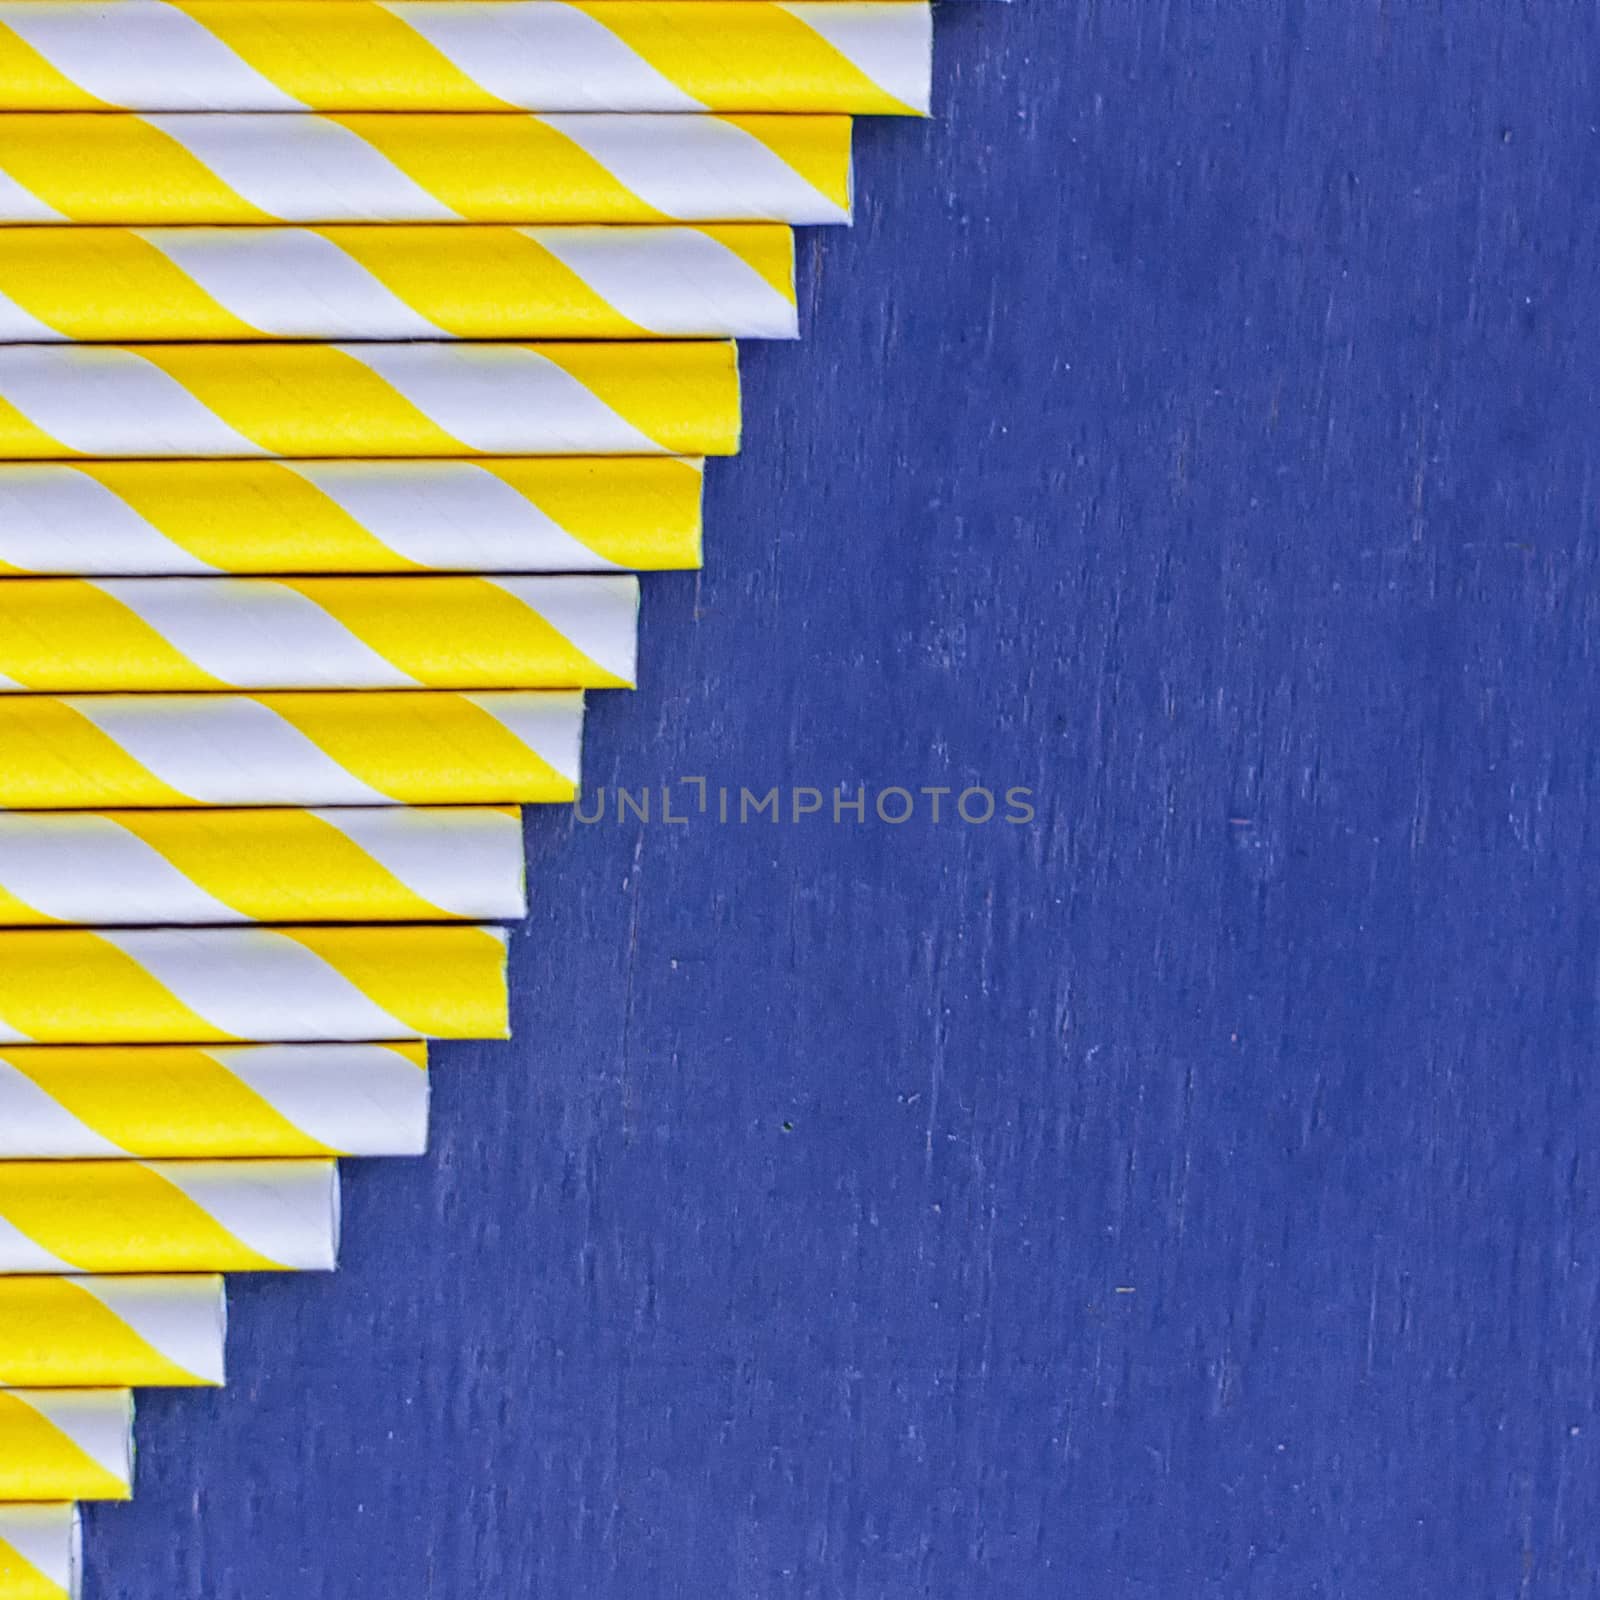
1191	1194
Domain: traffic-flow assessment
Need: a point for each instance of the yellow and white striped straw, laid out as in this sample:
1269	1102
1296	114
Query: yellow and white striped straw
220	985
128	284
110	1217
112	1333
66	1444
41	1552
547	514
62	635
345	864
168	1102
394	167
467	55
89	752
242	400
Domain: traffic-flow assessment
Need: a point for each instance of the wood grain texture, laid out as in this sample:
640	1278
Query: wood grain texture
1200	427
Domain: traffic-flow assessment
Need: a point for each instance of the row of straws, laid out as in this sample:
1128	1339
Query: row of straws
307	555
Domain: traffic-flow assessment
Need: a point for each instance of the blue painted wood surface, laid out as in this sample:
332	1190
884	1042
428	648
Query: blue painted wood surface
1190	1194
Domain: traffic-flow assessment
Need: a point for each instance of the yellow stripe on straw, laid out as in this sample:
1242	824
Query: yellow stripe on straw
678	397
479	283
41	1462
649	521
684	396
271	517
177	1102
51	627
17	913
354	57
444	167
396	167
32	83
144	1099
214	986
93	168
261	863
81	282
68	635
293	400
406	747
21	438
264	864
66	986
243	516
20	1579
450	987
472	634
282	865
55	1333
756	58
123	1216
493	178
56	757
432	745
818	148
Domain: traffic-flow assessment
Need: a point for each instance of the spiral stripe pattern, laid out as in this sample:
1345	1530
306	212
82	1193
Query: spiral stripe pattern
219	985
111	1332
113	1217
377	400
550	514
128	284
351	356
182	1102
863	56
346	864
109	750
66	1444
60	635
41	1552
199	167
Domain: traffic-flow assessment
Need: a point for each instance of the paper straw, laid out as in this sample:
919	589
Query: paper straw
107	751
126	284
241	400
219	985
386	167
168	1216
66	1444
347	864
111	1333
194	517
171	1102
67	634
41	1552
354	55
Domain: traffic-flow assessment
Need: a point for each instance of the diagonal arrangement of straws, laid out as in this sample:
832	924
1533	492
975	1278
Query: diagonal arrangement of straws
353	358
